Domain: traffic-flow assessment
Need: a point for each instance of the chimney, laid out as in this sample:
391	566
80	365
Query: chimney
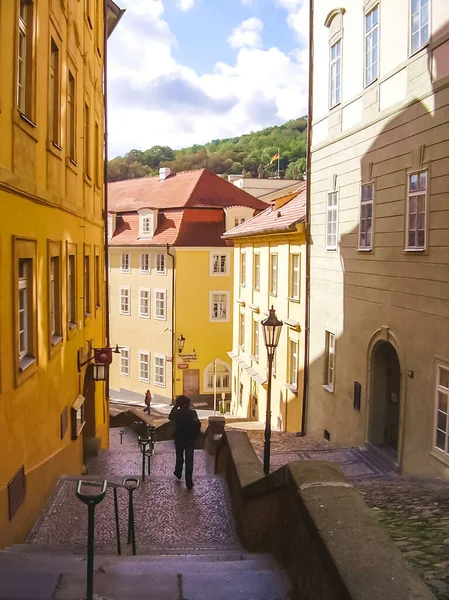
164	172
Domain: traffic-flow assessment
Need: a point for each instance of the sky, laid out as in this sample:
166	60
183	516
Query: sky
183	72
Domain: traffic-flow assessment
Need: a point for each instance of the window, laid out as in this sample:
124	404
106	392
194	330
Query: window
239	221
161	268
144	366
124	263
273	273
329	377
25	58
256	272
219	264
144	263
97	279
416	211
159	370
144	303
25	304
146	224
442	405
219	306
124	362
98	146
124	301
331	221
219	373
419	24
366	217
87	307
335	74
372	46
55	307
295	266
24	308
255	341
71	290
86	140
242	269
242	331
293	363
53	95
160	304
71	118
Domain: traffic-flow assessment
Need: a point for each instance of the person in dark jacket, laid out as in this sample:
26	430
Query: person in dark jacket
187	429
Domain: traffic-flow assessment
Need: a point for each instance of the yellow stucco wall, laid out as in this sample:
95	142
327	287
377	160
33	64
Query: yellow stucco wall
44	197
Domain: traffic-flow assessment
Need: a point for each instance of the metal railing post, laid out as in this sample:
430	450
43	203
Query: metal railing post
131	484
117	523
145	448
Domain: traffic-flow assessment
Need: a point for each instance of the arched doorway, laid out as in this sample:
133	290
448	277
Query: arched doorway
384	415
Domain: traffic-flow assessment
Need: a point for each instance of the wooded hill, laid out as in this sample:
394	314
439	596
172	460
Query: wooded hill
228	156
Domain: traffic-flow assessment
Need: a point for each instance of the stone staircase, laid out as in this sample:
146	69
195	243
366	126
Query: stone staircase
187	547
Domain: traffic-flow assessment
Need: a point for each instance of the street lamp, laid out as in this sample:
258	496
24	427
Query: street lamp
271	328
181	342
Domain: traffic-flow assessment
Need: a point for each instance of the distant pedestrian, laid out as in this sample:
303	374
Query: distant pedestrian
187	429
147	402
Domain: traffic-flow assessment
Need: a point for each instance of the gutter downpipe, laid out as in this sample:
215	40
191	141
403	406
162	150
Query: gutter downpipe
307	227
105	186
172	325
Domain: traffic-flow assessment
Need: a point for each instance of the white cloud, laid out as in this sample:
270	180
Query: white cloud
297	17
185	5
247	34
156	100
249	2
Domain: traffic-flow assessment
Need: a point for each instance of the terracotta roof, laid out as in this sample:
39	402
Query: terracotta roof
202	227
199	188
127	229
274	220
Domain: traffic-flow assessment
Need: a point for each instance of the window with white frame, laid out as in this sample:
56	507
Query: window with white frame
273	273
24	305
366	217
335	74
124	263
255	340
161	266
124	362
242	330
219	373
242	269
331	221
144	303
144	263
25	58
124	301
146	224
219	306
295	266
419	27
442	409
372	45
159	370
329	375
293	363
160	304
256	271
416	211
239	221
144	366
219	263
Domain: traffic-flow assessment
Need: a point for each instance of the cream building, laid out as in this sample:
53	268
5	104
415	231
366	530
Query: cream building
379	321
269	259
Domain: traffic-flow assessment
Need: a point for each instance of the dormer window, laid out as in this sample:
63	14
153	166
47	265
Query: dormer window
147	222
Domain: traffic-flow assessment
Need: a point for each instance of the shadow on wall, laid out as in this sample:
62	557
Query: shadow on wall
395	297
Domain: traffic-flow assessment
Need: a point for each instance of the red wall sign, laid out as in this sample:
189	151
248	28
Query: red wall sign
183	366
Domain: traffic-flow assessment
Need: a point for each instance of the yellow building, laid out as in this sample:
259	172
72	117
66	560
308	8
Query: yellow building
170	280
269	255
51	247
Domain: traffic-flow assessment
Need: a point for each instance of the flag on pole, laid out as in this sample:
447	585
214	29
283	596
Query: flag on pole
275	157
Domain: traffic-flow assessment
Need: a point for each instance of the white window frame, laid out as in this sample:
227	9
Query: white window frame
147	364
147	314
372	53
330	349
295	276
421	25
255	335
159	375
157	299
256	271
242	325
125	263
146	224
334	65
223	369
238	221
274	273
160	264
293	362
125	311
213	300
410	196
330	210
364	219
216	261
145	263
125	362
242	275
23	290
440	389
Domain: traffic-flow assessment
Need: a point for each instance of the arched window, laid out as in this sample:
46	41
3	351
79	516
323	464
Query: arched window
222	372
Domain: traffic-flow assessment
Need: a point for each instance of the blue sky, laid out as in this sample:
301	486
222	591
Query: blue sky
188	71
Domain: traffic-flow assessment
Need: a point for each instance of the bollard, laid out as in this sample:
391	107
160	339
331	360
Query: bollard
145	448
117	524
91	500
122	432
131	484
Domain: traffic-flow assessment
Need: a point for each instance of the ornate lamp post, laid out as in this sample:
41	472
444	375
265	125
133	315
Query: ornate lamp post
271	328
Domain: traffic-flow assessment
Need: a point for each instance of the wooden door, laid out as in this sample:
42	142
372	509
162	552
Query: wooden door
191	382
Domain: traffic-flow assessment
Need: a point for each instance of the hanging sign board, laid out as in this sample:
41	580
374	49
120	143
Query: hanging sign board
183	366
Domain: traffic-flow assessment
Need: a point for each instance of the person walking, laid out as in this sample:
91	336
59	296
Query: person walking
147	402
187	429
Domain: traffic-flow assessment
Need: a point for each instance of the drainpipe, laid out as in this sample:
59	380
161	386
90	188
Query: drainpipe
105	187
307	227
172	325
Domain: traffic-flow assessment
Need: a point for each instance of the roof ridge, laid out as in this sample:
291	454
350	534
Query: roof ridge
194	187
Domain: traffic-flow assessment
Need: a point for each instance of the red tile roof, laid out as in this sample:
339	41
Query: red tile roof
127	229
272	219
188	189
